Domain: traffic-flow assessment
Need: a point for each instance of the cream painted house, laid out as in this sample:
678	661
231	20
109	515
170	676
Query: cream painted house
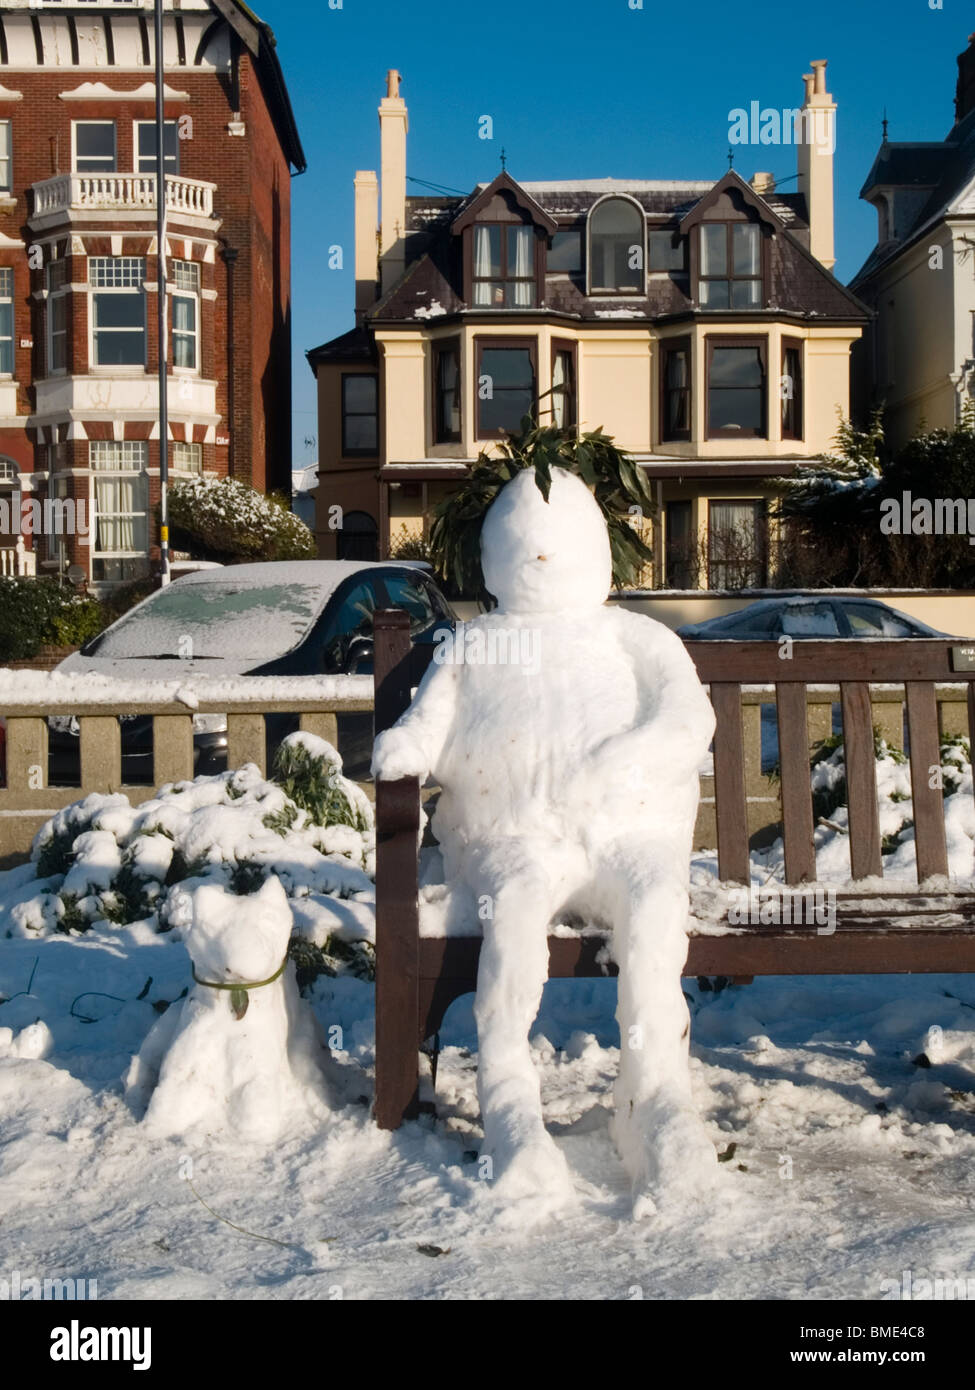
690	320
919	356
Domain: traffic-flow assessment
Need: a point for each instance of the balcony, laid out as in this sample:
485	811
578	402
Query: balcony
126	194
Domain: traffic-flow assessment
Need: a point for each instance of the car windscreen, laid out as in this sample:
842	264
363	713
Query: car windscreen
250	622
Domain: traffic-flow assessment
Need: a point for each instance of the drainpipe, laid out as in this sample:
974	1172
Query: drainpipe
230	254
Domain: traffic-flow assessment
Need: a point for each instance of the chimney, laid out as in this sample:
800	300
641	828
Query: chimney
763	184
965	91
393	125
816	137
366	242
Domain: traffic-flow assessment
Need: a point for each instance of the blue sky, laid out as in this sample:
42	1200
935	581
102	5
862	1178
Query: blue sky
586	88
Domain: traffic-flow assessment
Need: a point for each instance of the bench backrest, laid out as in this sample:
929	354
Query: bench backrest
917	664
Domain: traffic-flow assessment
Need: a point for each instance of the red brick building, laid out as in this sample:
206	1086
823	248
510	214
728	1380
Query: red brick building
78	270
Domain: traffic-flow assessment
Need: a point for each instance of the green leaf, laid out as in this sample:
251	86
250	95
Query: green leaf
239	1001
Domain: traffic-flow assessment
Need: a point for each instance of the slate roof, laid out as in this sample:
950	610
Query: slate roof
432	285
947	169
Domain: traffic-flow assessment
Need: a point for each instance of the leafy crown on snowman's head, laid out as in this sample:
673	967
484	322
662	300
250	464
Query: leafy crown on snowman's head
618	485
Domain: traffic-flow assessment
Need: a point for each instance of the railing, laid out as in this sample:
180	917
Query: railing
82	192
28	699
17	561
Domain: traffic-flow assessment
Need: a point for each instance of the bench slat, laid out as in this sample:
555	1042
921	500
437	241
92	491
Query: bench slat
928	802
730	805
861	780
797	814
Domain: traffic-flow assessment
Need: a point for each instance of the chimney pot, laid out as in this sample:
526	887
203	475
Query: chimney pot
763	183
819	68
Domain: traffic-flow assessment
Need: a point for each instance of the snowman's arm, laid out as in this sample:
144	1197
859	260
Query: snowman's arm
412	747
676	722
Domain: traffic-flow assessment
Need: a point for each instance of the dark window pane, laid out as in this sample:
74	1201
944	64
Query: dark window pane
411	595
119	310
741	410
506	410
616	232
746	294
360	394
736	366
95	146
715	294
664	255
566	252
360	432
507	367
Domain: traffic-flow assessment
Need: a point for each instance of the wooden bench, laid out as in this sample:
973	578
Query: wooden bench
877	932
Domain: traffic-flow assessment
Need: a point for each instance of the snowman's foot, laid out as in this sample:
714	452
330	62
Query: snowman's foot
527	1171
667	1154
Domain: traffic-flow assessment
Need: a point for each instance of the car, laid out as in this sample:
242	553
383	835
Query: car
805	617
280	618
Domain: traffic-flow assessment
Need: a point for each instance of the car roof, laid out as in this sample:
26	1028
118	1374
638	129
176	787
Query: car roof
326	575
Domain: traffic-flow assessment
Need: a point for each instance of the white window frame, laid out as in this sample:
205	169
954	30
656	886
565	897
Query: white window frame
7	298
6	156
57	294
178	291
74	147
133	463
117	369
171	166
193	451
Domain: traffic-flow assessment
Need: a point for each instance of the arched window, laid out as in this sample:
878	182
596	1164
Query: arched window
9	472
617	242
359	537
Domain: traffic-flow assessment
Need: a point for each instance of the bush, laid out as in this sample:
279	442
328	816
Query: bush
225	520
36	611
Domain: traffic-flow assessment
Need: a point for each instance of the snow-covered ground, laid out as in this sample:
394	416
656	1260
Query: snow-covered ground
851	1163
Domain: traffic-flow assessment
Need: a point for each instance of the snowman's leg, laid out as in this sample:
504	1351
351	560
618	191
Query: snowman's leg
658	1132
516	900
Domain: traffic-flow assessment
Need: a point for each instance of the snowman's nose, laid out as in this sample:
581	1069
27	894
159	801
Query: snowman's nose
541	557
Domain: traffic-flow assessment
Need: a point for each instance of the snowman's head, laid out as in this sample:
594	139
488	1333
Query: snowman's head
543	557
243	938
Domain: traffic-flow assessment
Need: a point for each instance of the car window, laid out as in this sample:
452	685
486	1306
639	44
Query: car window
351	618
223	617
755	624
809	620
411	595
867	621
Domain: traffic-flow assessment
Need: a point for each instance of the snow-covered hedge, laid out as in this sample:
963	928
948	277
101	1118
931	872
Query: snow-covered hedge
103	863
225	520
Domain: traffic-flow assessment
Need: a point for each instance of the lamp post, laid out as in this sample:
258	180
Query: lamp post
161	296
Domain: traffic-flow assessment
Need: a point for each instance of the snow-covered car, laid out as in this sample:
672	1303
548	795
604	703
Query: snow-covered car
294	618
806	617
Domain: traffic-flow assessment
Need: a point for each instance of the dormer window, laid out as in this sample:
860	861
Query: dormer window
503	269
730	274
617	247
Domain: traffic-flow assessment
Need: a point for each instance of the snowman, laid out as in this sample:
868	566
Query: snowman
569	784
240	1055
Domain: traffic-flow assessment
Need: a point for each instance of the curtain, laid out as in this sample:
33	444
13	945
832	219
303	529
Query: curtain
482	265
116	499
522	268
559	384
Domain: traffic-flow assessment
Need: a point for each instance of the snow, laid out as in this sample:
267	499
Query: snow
80	688
431	311
569	782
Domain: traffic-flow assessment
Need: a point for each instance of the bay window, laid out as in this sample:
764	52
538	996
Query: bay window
446	359
187	458
730	265
503	266
185	280
737	545
736	394
675	374
118	311
564	410
791	388
57	316
120	497
6	321
506	385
